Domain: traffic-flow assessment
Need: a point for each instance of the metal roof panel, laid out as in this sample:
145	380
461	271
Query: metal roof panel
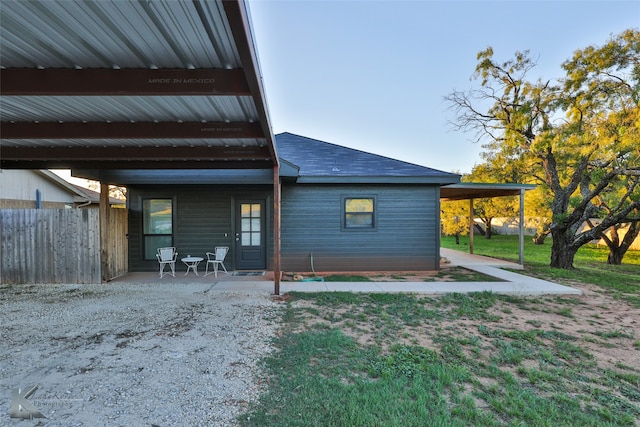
108	33
103	38
127	108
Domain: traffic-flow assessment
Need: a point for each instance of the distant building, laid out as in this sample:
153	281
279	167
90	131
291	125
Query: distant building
29	189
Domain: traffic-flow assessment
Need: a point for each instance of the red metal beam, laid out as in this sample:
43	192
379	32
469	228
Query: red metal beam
129	82
134	164
277	204
129	153
127	130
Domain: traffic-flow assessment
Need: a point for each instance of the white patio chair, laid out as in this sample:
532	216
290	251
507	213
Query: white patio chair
167	256
217	259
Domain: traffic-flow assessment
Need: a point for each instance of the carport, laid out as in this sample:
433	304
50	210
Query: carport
471	190
94	86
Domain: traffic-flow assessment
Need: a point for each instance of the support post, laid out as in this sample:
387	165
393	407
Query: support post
276	229
471	226
104	232
521	228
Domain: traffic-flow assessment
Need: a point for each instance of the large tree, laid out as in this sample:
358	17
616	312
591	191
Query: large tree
577	136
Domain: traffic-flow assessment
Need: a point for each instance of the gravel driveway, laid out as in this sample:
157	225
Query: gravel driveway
132	354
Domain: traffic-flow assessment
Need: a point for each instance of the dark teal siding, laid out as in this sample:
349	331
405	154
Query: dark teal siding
203	219
405	238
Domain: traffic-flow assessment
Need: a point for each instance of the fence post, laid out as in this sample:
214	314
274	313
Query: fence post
104	232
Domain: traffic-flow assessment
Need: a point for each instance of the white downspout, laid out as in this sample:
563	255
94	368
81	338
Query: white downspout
87	203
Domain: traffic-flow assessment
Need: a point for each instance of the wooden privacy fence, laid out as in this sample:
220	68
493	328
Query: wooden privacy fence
59	245
117	244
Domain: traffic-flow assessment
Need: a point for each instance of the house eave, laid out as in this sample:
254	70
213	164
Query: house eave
436	180
128	177
479	190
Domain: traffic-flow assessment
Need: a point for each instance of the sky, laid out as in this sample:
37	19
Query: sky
372	75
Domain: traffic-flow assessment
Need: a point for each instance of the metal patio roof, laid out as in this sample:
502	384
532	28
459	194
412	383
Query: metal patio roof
477	190
113	84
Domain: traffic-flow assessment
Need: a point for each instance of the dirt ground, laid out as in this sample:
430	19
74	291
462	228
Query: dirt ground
163	354
122	354
608	328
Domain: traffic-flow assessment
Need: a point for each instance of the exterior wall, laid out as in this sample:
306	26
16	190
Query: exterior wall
203	218
406	236
19	187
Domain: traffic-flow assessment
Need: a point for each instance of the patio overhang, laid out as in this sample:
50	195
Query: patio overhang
106	85
472	190
116	84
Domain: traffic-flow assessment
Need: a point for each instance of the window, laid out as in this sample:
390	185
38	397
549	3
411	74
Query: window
359	213
251	224
157	225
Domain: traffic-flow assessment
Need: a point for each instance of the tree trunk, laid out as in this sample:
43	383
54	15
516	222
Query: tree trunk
487	228
615	256
487	234
618	249
538	239
457	238
562	253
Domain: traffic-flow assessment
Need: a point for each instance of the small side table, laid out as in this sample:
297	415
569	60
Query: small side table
192	263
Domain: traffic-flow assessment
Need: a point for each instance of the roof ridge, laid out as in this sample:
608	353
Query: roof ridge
356	150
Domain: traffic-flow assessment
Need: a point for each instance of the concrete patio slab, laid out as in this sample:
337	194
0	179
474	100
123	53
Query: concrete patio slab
433	288
512	283
468	260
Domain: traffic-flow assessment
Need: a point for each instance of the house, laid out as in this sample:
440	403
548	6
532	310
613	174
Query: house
348	210
180	117
41	188
341	210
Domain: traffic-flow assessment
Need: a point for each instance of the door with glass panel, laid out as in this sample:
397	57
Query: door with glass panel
250	241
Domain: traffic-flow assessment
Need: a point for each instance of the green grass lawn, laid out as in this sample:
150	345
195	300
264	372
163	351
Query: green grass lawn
622	281
506	247
346	359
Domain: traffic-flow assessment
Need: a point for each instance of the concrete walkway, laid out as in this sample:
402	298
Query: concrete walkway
512	284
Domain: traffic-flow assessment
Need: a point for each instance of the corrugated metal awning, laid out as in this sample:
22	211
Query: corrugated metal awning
477	190
112	84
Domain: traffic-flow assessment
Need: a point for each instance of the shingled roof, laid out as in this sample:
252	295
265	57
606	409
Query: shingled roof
323	162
